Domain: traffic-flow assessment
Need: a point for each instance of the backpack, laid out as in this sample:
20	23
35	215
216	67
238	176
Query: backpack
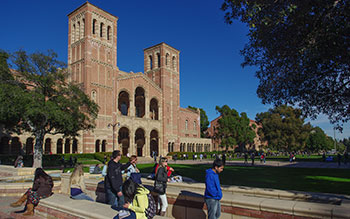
151	210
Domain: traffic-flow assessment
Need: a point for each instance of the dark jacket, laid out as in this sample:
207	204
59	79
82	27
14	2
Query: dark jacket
43	186
113	179
212	185
161	178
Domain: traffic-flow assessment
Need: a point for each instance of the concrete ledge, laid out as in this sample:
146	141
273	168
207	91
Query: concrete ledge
63	207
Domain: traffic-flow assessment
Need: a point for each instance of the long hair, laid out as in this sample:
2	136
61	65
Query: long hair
39	172
129	189
76	175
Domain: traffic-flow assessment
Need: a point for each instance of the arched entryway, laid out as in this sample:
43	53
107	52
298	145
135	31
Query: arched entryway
140	141
154	142
123	103
153	108
4	145
67	146
103	146
30	146
16	145
123	140
47	147
75	146
97	145
59	146
139	102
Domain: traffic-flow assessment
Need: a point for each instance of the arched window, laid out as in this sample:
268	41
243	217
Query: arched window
123	103
94	26
73	34
78	31
150	62
139	102
174	63
158	59
167	59
108	32
194	125
83	32
101	29
94	96
153	107
186	124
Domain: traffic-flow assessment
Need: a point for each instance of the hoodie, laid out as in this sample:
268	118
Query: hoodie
140	202
212	185
113	179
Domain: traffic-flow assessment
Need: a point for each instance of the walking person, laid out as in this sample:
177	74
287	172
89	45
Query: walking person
113	180
252	156
42	188
245	158
77	184
339	158
346	157
132	168
160	185
213	193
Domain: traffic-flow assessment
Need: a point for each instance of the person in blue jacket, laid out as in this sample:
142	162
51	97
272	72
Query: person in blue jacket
213	193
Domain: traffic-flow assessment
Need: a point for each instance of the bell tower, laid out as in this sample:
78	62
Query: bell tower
161	64
92	62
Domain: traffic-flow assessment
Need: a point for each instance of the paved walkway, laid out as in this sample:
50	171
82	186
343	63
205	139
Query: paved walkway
7	212
299	164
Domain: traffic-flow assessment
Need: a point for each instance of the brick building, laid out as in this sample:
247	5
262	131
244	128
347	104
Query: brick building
139	112
214	124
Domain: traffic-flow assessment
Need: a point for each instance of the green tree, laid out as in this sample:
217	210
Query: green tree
234	129
346	142
50	104
204	121
283	128
317	141
301	49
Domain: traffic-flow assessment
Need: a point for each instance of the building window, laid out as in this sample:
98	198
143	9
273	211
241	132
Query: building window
73	34
108	32
94	95
150	63
94	26
167	59
194	125
101	30
158	58
174	63
186	124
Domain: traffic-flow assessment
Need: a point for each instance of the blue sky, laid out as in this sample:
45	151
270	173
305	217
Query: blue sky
210	71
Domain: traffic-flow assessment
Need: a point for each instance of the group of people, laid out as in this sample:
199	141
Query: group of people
131	196
127	196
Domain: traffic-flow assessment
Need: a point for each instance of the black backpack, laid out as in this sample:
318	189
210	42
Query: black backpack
151	210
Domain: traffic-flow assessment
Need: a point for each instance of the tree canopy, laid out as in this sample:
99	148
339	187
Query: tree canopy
203	120
283	128
234	129
42	100
318	141
301	49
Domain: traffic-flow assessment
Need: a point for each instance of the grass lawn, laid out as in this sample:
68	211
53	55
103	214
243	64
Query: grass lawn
300	179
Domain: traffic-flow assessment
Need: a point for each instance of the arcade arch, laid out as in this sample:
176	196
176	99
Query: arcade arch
154	143
124	139
139	102
123	103
140	141
153	108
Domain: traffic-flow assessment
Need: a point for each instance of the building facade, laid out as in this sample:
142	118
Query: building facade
139	113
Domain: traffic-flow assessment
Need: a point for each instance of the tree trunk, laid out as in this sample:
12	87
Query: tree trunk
38	148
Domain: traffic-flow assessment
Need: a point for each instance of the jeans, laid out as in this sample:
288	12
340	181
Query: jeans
113	199
82	196
164	201
214	208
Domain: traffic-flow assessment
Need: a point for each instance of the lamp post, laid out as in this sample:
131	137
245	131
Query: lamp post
113	127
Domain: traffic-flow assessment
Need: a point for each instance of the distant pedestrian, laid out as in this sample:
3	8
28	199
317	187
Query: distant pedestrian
71	161
346	157
324	157
224	159
19	162
252	157
339	158
201	157
213	192
105	159
245	158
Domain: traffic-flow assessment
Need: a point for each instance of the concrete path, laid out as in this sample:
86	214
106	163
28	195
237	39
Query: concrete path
7	212
299	164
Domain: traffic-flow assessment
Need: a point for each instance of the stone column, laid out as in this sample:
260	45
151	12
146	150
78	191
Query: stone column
146	149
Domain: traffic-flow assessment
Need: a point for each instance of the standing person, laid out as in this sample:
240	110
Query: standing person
77	184
113	180
224	158
42	188
339	158
252	156
213	193
160	184
346	157
245	158
105	159
132	168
